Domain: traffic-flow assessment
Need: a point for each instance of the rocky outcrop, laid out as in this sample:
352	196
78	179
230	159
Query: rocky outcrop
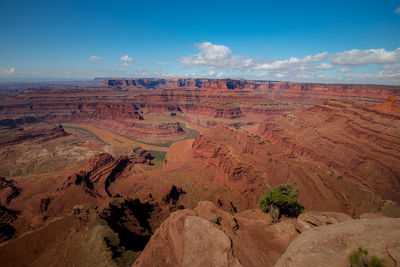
102	170
347	90
389	107
331	245
343	155
225	112
255	240
207	84
115	111
58	108
98	173
321	150
8	191
239	84
352	143
185	239
7	217
82	216
266	109
6	231
12	123
40	136
313	219
44	204
174	195
140	155
142	129
209	236
130	219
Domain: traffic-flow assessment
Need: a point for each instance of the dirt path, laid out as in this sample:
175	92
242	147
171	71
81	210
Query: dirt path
114	139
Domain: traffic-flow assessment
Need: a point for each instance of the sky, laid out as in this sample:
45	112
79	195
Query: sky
307	41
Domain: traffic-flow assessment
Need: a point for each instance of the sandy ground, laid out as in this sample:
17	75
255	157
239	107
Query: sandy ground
112	138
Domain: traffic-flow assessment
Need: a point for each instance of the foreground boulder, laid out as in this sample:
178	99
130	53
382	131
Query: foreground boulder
331	245
210	236
185	239
256	241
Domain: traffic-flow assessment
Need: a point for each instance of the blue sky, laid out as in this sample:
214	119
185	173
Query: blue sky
316	41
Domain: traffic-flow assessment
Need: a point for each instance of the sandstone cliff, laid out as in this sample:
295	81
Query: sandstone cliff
356	90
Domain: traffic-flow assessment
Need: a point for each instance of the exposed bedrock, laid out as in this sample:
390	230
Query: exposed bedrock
40	136
54	109
343	158
8	191
161	130
227	84
389	107
130	219
102	170
331	245
354	144
209	236
375	91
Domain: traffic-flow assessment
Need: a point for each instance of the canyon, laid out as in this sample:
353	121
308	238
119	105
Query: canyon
131	172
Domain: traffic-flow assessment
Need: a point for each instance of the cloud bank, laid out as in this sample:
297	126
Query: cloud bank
6	72
220	56
318	67
364	57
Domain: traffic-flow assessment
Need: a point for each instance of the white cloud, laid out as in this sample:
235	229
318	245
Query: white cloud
94	59
315	58
389	75
220	56
122	64
383	77
126	59
211	51
324	66
294	62
5	72
393	67
397	11
212	55
364	57
344	70
311	68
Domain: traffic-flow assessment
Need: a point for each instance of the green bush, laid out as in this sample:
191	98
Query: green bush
281	199
360	258
214	220
375	261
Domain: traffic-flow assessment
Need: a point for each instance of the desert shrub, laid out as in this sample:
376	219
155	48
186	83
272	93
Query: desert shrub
281	199
214	220
360	258
375	261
